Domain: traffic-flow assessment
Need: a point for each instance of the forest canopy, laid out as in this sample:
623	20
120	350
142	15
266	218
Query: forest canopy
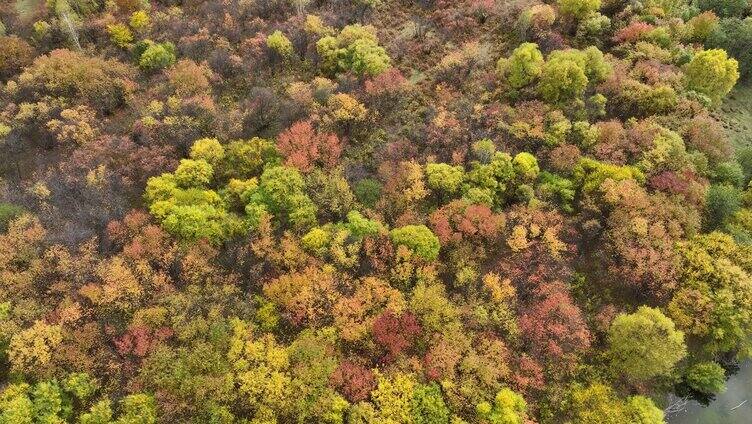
372	211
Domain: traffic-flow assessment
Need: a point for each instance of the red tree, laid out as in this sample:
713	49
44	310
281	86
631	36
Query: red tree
354	381
303	147
395	333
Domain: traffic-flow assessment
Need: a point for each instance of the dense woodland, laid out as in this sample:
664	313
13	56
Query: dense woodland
372	211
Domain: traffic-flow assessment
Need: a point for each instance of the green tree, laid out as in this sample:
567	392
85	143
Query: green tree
562	80
279	43
645	344
526	166
444	177
155	56
706	377
508	408
722	202
725	8
281	193
734	35
193	173
523	66
428	405
712	73
419	239
209	150
355	49
578	9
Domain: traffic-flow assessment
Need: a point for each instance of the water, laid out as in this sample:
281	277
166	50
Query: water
738	389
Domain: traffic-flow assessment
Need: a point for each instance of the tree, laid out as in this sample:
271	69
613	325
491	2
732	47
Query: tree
526	166
102	84
554	326
734	35
725	8
15	54
31	350
562	81
712	304
712	73
209	150
508	408
598	404
395	333
155	56
393	397
280	44
522	67
281	193
353	380
645	344
193	173
444	177
419	239
303	147
428	405
722	202
706	378
578	9
355	49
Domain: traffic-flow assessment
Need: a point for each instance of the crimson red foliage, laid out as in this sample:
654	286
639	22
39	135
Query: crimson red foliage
395	333
354	381
303	147
553	325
